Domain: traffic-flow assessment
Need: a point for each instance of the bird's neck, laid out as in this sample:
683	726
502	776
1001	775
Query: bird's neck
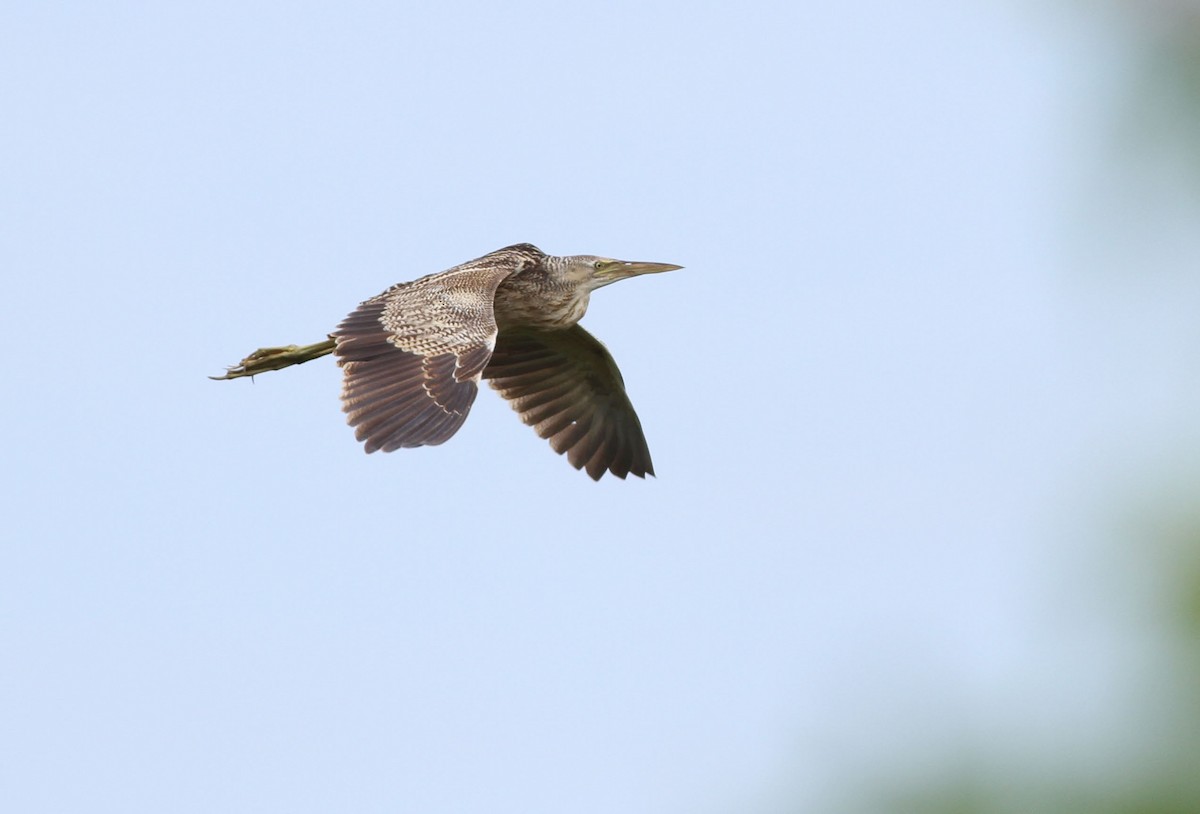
540	298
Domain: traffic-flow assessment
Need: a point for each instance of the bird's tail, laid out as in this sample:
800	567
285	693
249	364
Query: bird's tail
265	359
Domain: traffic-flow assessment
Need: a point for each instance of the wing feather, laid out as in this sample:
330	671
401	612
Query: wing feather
412	357
565	385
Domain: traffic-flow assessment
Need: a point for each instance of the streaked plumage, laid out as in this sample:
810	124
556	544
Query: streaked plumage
412	357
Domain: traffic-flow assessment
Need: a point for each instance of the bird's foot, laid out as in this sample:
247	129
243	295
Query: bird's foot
266	359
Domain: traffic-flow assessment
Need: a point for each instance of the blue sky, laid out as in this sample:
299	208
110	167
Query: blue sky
883	399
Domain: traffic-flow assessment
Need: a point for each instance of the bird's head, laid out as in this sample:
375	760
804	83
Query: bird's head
597	272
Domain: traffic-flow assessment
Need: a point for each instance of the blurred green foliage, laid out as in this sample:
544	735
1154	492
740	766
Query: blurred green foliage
1155	770
1165	779
1163	99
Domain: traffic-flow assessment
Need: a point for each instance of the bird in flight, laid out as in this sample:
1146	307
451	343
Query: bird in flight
412	357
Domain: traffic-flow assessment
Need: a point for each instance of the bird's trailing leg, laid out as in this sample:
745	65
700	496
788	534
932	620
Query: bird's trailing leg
265	359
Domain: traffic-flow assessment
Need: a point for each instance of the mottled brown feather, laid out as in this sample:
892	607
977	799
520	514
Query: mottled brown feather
412	356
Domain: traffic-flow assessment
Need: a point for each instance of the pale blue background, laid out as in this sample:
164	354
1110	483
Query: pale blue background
884	399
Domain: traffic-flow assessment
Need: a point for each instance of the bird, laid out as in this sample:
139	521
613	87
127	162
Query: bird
412	357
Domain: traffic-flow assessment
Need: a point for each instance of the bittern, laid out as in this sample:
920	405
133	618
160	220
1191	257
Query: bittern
412	357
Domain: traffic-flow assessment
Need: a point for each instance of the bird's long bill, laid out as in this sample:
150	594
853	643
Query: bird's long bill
622	269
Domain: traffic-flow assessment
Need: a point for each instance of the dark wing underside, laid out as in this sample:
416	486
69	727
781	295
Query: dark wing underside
565	385
412	356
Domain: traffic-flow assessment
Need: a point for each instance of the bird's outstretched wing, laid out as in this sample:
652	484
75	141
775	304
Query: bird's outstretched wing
566	386
413	355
